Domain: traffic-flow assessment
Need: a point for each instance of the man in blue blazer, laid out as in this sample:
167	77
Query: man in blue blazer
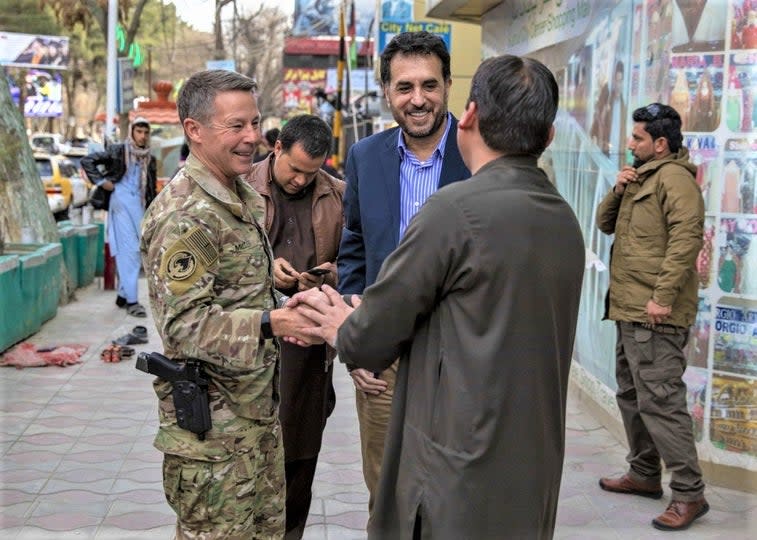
389	177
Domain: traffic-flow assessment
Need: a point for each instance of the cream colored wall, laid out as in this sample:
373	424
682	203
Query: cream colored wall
465	56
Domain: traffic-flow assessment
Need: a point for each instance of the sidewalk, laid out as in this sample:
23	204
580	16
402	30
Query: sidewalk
78	461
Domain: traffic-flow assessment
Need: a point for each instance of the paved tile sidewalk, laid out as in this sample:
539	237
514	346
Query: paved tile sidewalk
78	462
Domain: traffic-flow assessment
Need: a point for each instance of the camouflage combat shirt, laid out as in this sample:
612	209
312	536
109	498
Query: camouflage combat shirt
209	271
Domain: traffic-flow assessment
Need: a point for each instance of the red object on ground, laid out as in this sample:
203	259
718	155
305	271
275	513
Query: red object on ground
28	355
109	271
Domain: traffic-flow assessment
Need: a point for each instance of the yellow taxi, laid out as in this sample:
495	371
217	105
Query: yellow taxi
64	185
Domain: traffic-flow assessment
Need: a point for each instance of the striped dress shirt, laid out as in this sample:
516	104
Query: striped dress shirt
418	180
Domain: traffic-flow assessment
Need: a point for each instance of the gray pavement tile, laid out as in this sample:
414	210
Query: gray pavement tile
78	461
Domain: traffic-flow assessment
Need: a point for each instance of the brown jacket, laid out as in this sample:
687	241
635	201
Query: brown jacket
477	432
327	210
658	224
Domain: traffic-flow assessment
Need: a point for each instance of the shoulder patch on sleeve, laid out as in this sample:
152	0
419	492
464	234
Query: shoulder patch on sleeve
187	259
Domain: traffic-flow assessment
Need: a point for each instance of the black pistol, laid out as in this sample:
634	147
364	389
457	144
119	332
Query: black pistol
190	390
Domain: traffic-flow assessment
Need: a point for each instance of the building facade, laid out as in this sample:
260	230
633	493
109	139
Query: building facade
610	57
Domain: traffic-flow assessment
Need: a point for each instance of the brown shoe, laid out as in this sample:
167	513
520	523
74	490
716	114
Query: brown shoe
625	484
680	514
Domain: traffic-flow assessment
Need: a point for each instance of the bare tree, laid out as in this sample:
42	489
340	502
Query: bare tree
259	40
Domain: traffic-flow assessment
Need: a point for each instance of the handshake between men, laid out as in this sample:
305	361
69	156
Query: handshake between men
322	313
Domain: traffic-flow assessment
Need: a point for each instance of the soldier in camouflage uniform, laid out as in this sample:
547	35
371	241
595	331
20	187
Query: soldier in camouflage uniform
209	270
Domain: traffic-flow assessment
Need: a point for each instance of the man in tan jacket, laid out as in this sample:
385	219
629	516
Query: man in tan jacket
656	212
303	220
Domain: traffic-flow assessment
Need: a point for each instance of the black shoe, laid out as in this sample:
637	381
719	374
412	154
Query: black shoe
120	301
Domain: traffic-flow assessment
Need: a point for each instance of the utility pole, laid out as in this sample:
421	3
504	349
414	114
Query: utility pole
110	108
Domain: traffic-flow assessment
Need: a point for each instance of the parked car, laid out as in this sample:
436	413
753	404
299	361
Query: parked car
64	186
74	154
51	143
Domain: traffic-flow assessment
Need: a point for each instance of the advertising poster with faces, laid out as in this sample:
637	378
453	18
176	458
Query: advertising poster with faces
696	83
698	56
710	85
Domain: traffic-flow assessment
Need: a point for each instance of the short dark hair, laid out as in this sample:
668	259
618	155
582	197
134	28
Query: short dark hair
309	130
414	43
198	93
661	121
271	136
516	99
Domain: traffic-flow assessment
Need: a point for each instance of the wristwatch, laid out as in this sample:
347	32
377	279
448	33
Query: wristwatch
266	332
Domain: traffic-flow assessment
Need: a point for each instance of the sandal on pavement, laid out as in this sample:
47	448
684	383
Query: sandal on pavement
136	310
139	331
111	354
130	339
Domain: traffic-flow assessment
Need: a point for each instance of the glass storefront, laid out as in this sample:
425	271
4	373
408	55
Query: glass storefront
698	56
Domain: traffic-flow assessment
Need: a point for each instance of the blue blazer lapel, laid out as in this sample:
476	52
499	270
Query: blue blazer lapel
390	176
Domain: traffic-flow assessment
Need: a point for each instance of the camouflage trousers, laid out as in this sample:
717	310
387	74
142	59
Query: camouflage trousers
240	498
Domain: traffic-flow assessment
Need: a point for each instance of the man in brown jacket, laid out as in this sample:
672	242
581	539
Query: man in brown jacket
303	219
656	212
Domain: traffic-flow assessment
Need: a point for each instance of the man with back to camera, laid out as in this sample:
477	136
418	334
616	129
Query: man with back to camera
480	301
389	176
127	170
209	265
304	224
656	212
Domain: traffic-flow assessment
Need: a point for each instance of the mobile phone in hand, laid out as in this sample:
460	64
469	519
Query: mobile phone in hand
318	271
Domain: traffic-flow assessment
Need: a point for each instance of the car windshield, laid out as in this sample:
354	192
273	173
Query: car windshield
44	167
67	169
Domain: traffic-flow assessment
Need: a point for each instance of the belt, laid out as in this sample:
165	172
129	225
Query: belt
659	328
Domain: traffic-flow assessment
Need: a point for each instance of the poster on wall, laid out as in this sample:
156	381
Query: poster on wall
739	189
735	337
743	24
737	265
657	51
733	414
705	154
701	58
696	394
698	25
697	89
741	93
697	349
706	256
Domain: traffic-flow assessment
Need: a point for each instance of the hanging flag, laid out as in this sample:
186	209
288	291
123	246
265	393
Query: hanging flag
351	31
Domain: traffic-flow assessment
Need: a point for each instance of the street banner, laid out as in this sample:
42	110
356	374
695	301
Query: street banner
43	91
387	30
321	17
300	85
33	51
400	11
125	86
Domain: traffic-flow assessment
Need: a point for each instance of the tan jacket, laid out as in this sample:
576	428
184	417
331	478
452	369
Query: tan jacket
326	211
658	224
